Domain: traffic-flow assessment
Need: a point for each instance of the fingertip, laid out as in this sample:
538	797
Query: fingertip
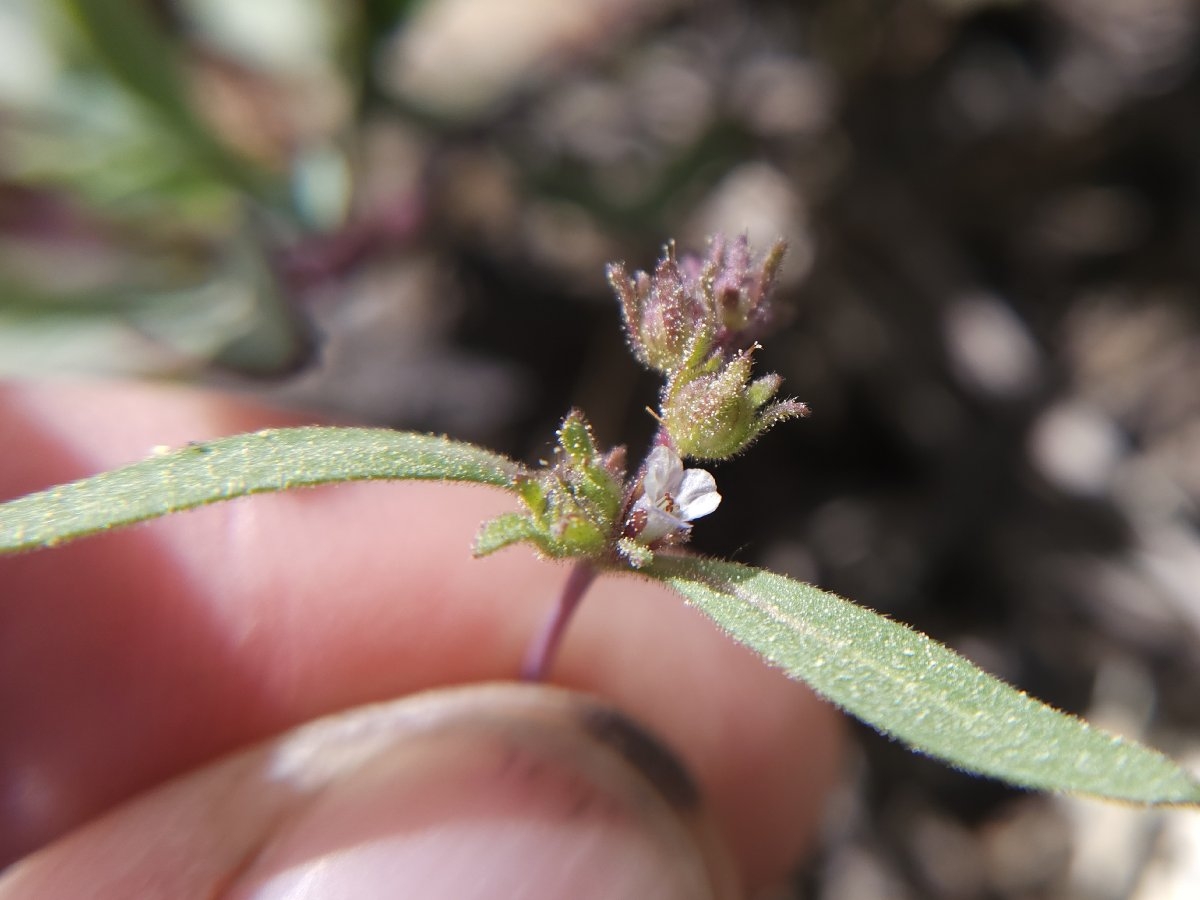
495	790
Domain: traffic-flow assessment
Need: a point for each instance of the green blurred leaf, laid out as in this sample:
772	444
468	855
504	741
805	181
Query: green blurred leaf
136	53
125	39
912	688
272	460
168	316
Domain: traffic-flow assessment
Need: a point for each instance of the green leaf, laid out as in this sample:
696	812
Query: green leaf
124	37
910	687
271	460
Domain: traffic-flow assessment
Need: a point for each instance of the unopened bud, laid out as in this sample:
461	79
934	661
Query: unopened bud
741	289
668	318
718	415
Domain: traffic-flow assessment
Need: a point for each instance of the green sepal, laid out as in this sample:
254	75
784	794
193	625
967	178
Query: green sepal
502	531
575	438
533	495
763	389
597	489
579	537
636	554
583	472
699	356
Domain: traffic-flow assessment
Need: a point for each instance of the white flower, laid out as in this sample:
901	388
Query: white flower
673	496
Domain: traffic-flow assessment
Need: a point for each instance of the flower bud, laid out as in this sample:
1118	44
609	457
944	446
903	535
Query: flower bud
668	319
717	415
696	310
741	290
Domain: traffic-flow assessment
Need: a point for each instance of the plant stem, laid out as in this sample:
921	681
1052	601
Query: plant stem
540	655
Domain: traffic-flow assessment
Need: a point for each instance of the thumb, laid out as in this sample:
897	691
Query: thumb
493	791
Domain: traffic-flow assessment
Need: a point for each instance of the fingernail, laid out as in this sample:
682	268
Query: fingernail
511	791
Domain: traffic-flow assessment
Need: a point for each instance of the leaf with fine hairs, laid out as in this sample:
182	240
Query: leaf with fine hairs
271	460
912	688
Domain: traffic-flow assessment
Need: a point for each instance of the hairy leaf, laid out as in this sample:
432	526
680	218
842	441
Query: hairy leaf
910	687
271	460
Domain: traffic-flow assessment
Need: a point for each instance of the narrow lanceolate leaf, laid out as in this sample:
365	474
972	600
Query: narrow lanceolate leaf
271	460
913	688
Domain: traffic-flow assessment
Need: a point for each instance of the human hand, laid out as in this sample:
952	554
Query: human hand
134	657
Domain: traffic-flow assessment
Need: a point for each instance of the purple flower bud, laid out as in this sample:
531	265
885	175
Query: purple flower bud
667	320
693	307
741	289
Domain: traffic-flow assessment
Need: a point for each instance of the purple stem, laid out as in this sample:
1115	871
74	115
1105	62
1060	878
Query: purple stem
540	655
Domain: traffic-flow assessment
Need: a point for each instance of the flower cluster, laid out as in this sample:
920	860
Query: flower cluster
571	507
695	320
691	308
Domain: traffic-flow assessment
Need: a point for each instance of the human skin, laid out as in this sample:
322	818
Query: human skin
137	656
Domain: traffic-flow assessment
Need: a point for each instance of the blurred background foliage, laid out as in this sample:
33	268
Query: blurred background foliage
399	212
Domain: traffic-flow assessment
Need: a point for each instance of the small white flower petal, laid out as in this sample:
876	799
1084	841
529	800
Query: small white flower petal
697	494
659	524
672	496
664	469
